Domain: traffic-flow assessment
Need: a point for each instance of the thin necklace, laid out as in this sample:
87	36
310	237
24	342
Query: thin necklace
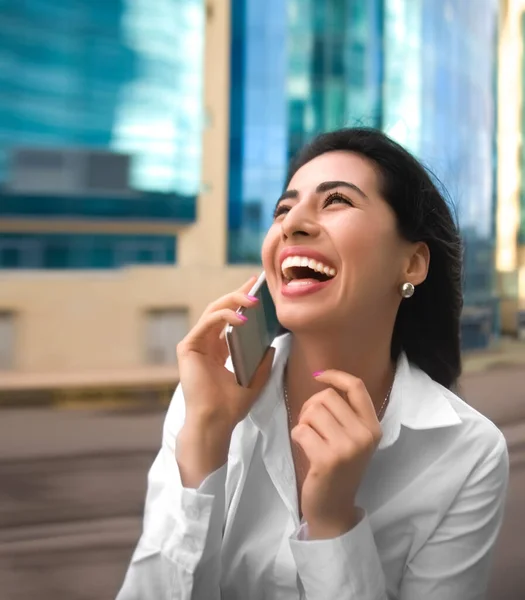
379	413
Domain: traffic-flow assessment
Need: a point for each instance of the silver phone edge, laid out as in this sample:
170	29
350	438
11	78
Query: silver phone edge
239	368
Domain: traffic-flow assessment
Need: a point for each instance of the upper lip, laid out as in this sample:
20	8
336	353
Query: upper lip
307	253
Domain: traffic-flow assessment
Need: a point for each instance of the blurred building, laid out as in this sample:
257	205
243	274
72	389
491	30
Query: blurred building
511	170
424	71
101	140
143	146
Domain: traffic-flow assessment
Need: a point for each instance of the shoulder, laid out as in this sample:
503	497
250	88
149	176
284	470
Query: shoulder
429	405
479	434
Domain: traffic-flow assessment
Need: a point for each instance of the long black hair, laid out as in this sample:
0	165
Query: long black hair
427	326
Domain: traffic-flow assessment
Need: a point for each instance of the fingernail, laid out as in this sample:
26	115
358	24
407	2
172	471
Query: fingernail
252	298
242	317
317	373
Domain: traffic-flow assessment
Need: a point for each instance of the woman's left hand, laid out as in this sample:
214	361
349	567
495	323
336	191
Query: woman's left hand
338	436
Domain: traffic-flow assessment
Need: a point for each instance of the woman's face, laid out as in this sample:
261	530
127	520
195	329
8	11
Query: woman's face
333	255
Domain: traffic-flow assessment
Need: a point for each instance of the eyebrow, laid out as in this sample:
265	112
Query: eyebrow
325	186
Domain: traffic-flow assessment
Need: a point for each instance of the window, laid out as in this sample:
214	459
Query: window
165	328
57	253
10	257
7	340
84	251
18	253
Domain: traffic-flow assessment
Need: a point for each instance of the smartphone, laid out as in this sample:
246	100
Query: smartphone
249	342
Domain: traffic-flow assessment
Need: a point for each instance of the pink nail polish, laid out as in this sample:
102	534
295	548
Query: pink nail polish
317	373
242	317
252	298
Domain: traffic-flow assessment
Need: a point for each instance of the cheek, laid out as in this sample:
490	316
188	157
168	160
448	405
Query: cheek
268	249
370	248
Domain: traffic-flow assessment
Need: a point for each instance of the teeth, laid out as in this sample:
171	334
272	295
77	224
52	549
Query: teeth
298	283
303	261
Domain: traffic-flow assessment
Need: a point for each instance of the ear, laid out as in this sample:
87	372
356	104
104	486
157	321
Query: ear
417	263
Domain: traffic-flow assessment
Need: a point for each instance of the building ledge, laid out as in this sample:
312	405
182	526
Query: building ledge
143	377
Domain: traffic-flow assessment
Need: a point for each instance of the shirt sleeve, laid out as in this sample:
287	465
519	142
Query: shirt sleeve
178	553
454	563
344	568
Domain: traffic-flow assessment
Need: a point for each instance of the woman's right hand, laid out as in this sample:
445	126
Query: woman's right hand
214	401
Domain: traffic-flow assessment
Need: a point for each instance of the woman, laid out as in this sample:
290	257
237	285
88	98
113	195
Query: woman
348	470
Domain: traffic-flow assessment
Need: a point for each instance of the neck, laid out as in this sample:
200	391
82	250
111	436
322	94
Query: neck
364	356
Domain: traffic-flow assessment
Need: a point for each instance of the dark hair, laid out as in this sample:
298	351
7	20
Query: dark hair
427	326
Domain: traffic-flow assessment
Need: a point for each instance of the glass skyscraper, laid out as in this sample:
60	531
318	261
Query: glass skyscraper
120	76
439	101
298	67
422	70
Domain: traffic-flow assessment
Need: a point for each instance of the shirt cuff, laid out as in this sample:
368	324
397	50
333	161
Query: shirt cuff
344	568
192	530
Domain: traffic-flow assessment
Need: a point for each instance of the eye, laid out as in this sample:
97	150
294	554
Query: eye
280	210
336	198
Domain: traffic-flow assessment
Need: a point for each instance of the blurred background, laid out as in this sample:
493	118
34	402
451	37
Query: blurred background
143	145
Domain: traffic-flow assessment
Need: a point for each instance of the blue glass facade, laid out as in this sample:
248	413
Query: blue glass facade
258	120
423	70
125	75
441	105
83	251
298	67
121	76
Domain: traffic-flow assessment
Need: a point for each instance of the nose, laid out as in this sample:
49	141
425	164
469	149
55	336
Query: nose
300	220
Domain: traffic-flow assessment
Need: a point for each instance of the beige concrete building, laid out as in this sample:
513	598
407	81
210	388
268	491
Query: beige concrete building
90	331
66	331
511	168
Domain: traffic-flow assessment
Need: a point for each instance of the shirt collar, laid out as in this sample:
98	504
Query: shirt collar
416	400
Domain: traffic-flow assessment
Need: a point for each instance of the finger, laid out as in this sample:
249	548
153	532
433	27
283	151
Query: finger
234	301
210	324
338	408
310	442
321	420
354	390
263	371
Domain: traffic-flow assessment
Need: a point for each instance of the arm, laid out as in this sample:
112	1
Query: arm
454	563
178	554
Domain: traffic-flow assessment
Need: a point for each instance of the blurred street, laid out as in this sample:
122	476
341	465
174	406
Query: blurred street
72	485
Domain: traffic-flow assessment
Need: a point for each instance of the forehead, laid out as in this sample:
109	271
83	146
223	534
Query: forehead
336	166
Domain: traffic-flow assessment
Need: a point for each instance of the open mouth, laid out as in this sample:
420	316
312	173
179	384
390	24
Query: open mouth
306	270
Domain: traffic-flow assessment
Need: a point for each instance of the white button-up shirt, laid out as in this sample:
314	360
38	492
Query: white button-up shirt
432	504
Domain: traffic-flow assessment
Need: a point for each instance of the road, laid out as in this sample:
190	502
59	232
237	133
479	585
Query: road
72	486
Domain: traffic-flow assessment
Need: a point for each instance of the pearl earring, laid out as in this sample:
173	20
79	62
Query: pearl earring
407	290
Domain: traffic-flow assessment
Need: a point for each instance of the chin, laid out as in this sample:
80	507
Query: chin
304	319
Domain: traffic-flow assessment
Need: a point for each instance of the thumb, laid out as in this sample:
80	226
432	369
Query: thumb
263	371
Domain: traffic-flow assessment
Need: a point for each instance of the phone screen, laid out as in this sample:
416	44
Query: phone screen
249	342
